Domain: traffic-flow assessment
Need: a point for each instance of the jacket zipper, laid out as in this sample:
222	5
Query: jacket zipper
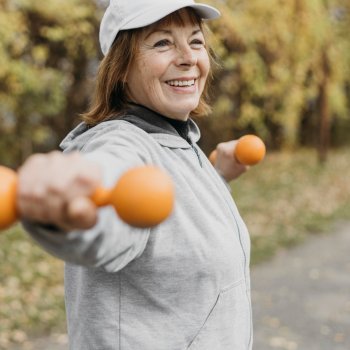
196	152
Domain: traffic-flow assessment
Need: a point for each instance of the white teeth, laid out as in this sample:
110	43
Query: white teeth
181	82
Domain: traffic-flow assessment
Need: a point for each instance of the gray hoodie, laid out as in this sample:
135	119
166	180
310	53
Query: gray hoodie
181	285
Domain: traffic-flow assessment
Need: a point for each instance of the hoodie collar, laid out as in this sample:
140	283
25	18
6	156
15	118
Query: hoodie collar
167	132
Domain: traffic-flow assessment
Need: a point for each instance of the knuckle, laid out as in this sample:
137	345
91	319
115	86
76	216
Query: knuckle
221	150
30	194
57	188
221	147
37	194
34	161
72	157
54	156
83	178
38	157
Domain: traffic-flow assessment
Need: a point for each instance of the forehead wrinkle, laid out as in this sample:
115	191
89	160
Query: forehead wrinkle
169	32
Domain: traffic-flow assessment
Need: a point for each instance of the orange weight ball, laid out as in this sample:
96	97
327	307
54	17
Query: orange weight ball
143	196
250	150
8	188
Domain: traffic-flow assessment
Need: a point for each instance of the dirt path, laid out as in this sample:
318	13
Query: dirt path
301	298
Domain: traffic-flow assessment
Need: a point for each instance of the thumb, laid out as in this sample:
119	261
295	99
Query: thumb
81	213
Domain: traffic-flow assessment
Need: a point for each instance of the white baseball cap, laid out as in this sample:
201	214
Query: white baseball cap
131	14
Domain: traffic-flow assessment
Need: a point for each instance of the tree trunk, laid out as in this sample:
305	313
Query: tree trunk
324	111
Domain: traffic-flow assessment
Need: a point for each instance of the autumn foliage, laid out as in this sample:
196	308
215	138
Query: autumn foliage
283	72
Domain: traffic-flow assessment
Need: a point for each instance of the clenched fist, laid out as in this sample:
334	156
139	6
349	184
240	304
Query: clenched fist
54	188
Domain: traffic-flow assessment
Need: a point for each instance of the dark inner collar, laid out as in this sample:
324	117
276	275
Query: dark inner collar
153	122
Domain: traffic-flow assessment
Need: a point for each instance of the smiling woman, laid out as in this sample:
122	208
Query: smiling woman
183	284
171	69
130	50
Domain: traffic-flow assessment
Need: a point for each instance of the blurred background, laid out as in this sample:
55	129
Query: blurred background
283	73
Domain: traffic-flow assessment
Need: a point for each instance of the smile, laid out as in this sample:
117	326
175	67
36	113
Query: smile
181	82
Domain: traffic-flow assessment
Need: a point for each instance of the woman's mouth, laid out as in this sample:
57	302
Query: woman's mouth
181	83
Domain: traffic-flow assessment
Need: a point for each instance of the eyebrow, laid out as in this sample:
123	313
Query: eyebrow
165	31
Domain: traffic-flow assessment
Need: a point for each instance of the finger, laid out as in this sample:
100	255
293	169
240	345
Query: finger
81	213
81	177
31	204
36	213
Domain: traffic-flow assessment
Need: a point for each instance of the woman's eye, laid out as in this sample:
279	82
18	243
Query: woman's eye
197	43
162	43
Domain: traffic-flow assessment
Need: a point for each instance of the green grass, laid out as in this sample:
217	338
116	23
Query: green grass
282	200
289	196
31	289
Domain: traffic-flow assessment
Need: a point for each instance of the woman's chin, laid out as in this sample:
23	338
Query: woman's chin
182	108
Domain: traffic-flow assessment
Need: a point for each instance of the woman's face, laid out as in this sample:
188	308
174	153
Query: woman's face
170	72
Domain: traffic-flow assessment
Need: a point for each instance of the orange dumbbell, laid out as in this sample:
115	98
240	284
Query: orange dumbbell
250	150
142	197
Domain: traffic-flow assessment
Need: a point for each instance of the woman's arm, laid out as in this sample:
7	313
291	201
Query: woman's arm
53	200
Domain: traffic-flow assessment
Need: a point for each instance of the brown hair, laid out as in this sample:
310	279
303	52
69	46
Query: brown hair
110	97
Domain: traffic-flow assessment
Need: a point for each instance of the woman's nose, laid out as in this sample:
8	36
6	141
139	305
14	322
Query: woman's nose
186	56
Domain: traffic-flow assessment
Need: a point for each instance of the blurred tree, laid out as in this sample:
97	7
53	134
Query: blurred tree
282	61
341	127
46	50
285	71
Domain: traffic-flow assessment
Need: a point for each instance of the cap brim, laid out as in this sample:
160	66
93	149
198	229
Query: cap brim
110	27
206	11
154	15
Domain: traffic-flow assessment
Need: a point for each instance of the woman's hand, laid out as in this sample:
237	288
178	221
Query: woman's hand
54	188
226	164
